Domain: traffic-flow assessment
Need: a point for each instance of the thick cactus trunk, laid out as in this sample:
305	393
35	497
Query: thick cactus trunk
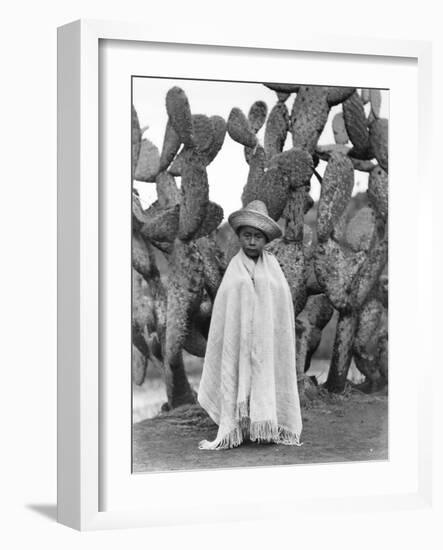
316	315
178	389
370	346
342	352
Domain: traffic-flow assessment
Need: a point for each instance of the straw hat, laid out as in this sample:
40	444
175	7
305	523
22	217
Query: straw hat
255	214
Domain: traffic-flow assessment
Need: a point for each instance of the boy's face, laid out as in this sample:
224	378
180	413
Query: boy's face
252	241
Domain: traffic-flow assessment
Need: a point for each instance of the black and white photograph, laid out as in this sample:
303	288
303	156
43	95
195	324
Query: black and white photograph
259	274
222	275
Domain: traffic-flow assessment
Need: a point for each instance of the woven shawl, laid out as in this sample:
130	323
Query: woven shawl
249	381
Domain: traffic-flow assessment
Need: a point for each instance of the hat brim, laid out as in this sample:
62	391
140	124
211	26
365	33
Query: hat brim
255	219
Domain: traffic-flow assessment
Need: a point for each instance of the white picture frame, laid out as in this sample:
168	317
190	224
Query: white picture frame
81	392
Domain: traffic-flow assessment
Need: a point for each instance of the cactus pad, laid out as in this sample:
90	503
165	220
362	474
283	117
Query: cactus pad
356	126
378	191
138	214
273	191
148	163
319	310
338	94
369	273
294	214
285	88
195	342
212	219
143	259
257	115
378	131
202	131
171	145
276	130
282	96
179	112
365	95
175	169
375	98
239	129
291	259
167	191
139	364
361	230
362	165
252	188
309	115
336	190
144	321
297	164
218	132
136	137
194	204
339	229
368	322
214	264
161	224
339	129
335	271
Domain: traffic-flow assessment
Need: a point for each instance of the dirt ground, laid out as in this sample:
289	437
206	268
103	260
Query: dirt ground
336	428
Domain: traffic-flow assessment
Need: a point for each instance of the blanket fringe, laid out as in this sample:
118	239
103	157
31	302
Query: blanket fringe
269	432
232	439
261	432
285	437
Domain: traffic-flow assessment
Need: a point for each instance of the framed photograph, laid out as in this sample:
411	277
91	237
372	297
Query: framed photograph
240	228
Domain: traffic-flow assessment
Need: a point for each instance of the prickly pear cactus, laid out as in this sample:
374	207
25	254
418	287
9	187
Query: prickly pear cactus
342	351
148	162
240	129
370	345
309	114
378	191
136	137
336	191
378	135
179	113
179	225
276	129
357	127
309	325
340	266
257	115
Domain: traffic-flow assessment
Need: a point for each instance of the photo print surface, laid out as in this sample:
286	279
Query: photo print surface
259	274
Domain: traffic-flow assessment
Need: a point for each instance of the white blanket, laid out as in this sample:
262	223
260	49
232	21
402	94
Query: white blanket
249	380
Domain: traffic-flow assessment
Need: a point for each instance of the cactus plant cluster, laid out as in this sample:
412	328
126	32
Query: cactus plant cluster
180	223
340	270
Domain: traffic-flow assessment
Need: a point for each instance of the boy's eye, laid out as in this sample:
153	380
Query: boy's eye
249	235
